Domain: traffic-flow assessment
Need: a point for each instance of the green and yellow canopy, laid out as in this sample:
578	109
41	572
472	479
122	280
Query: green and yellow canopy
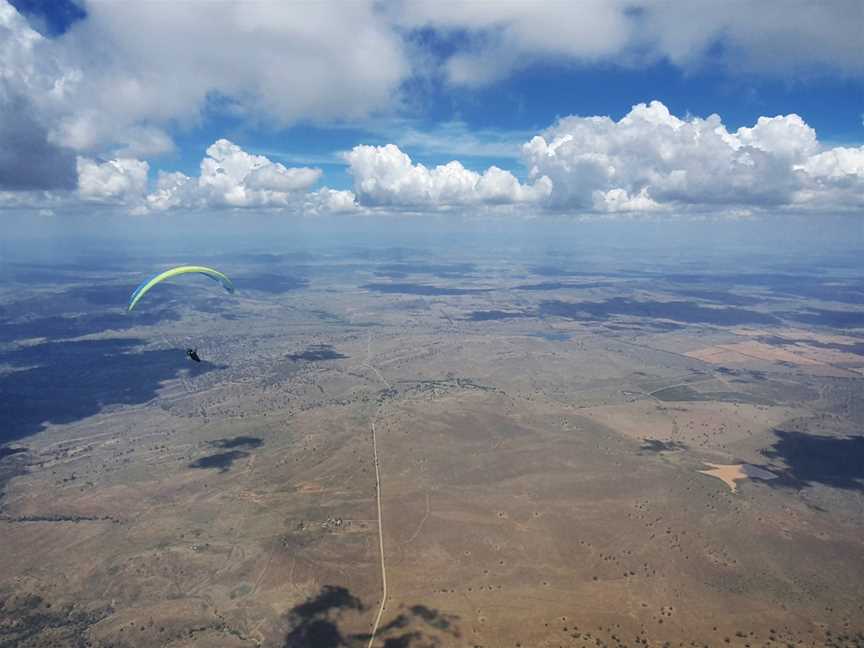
147	284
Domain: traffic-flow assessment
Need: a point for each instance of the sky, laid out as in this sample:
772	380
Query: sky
521	110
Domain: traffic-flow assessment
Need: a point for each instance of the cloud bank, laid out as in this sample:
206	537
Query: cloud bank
651	160
648	162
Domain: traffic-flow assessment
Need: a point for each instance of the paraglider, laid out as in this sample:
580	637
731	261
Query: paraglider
147	284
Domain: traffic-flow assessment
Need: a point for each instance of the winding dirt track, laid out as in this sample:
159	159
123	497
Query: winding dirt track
380	539
378	499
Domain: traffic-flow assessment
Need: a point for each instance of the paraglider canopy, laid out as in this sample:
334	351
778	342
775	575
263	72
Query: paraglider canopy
147	284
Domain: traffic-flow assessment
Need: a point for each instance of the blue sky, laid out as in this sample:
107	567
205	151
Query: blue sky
532	100
150	88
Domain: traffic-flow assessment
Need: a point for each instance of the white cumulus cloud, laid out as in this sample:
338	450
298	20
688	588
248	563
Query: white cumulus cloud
231	177
651	160
123	180
386	176
173	190
330	201
833	179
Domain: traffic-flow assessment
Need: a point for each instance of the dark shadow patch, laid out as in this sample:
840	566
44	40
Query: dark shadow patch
118	295
64	382
317	353
856	348
8	452
52	275
267	258
775	340
329	598
847	291
237	442
37	277
260	258
656	445
648	326
103	262
801	286
26	619
558	285
553	337
830	318
412	628
406	641
558	271
489	315
275	284
842	294
811	459
684	393
443	270
413	304
433	617
221	460
763	279
13	462
59	327
752	375
315	623
394	253
720	297
680	311
327	317
421	289
83	310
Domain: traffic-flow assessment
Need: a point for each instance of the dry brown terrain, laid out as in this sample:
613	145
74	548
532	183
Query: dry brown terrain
540	486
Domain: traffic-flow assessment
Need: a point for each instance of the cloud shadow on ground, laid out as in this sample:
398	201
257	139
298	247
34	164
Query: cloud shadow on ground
679	311
65	382
221	460
316	353
316	623
656	445
810	459
421	289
